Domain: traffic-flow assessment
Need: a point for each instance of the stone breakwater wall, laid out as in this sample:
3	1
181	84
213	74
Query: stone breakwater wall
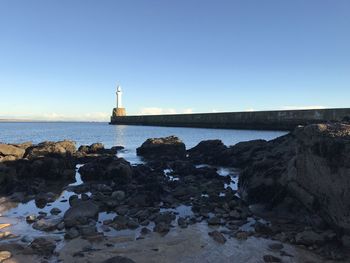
262	120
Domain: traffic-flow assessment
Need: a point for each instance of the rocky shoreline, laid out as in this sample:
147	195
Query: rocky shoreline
292	194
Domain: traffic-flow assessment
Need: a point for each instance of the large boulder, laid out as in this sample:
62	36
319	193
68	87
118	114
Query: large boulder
264	168
62	149
170	146
106	168
80	212
312	164
244	153
210	152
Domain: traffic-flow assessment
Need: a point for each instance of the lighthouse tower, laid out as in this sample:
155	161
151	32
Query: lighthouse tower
119	110
119	97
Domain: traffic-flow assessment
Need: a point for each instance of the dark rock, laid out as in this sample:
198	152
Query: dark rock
160	147
73	200
309	238
55	211
242	235
262	229
119	195
61	148
214	221
119	259
120	222
71	233
7	178
49	224
87	153
245	153
165	217
145	231
218	237
270	258
182	222
210	152
87	230
162	228
132	224
114	168
311	164
346	241
43	246
43	198
79	213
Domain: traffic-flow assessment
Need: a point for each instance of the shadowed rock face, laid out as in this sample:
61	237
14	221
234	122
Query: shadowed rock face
162	147
311	164
210	152
117	169
322	168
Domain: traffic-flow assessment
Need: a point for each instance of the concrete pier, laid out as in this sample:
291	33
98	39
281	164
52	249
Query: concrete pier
261	120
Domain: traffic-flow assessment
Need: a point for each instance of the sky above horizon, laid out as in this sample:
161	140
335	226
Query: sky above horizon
62	60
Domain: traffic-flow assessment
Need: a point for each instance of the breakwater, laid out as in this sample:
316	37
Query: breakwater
262	120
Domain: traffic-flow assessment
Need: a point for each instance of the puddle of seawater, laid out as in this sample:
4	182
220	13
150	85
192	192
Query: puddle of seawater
30	208
16	216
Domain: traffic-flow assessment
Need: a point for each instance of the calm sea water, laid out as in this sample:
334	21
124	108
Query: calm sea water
128	136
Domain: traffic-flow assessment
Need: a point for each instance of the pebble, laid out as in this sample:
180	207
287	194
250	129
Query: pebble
217	236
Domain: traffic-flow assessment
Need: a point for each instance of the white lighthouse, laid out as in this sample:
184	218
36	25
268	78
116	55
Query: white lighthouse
119	97
119	110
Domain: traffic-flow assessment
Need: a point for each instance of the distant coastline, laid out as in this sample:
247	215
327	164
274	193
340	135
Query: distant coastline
46	121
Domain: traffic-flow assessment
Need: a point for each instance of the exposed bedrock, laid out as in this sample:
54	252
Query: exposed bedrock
53	149
312	163
322	168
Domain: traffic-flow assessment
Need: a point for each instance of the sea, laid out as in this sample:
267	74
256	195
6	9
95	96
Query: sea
130	137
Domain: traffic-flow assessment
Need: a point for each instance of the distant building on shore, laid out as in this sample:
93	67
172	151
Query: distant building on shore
119	110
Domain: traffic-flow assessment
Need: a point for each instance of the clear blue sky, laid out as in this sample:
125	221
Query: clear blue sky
62	59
